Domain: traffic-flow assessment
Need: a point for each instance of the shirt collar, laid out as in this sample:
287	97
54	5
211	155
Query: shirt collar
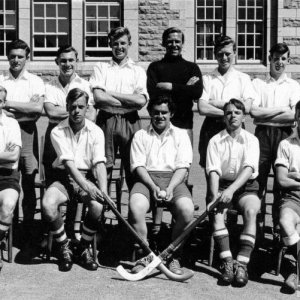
168	131
65	123
230	72
24	74
129	63
3	117
225	135
282	78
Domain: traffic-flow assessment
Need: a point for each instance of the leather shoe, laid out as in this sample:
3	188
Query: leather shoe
175	267
241	275
291	282
65	258
86	260
226	270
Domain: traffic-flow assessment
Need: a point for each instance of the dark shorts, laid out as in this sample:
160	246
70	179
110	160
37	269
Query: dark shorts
9	179
161	179
290	199
250	188
66	184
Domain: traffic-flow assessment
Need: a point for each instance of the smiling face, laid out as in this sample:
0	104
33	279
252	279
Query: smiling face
77	110
160	117
225	57
120	47
67	62
233	117
2	98
17	60
278	63
173	44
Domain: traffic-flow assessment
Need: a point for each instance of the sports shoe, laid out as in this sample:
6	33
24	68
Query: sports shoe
141	264
65	262
175	267
226	270
87	261
241	274
291	282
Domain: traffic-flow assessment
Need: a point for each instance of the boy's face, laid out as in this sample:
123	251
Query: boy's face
233	117
225	57
17	59
173	44
120	47
67	63
77	110
278	63
160	117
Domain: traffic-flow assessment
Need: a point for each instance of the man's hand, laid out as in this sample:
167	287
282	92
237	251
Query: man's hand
226	195
169	195
35	98
294	175
164	86
192	80
94	192
155	194
10	147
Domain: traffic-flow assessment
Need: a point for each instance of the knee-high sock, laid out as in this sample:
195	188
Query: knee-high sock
221	237
57	229
247	242
89	229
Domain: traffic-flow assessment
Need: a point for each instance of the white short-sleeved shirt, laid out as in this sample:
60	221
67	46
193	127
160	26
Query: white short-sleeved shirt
129	78
229	156
22	88
9	133
288	153
86	152
284	92
233	84
166	152
57	94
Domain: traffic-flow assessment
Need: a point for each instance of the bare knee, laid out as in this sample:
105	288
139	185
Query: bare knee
7	208
286	222
250	214
95	209
218	221
50	207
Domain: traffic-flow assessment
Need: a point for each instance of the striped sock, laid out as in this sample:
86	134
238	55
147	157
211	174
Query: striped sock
247	242
3	229
221	237
57	229
89	229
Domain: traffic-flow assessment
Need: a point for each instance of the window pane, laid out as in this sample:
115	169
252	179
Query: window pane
218	28
10	20
200	12
10	35
218	12
200	28
1	35
39	26
1	4
241	40
259	13
50	10
200	53
219	2
258	54
51	41
250	40
251	2
200	2
1	19
250	53
63	40
38	10
209	40
242	14
91	41
91	26
241	53
250	27
103	26
258	40
209	28
103	41
39	41
250	13
91	11
63	26
10	5
259	2
63	10
200	40
209	13
115	11
51	25
103	11
242	2
2	49
259	28
241	28
210	54
114	24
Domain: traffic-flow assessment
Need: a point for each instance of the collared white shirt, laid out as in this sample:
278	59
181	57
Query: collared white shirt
9	133
284	92
288	153
233	84
228	156
166	152
86	151
129	78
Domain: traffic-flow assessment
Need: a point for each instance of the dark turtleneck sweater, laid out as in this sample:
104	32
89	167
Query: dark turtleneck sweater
178	71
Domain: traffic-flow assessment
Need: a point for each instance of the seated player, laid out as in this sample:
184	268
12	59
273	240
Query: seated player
79	145
10	147
161	155
232	167
288	175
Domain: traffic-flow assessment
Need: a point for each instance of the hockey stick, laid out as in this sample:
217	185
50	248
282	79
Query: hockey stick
156	262
169	250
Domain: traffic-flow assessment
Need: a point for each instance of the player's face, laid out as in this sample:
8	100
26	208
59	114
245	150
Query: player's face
278	63
17	59
233	117
160	117
77	110
120	48
173	44
2	98
225	57
67	63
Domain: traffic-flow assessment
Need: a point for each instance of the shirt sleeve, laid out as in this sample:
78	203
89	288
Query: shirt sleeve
295	95
15	133
99	148
152	80
141	82
50	95
213	161
137	152
252	156
60	143
283	155
184	157
97	79
39	87
257	89
248	89
206	88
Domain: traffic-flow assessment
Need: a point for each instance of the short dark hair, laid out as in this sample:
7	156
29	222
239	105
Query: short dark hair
237	103
223	40
280	48
118	32
66	49
75	94
17	44
171	30
160	99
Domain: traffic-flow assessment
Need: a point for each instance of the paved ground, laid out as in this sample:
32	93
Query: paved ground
41	279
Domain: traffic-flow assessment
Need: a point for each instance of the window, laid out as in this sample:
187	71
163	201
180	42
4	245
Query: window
100	17
250	30
51	26
8	24
210	22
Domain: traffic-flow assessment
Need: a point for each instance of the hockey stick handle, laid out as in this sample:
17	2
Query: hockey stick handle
182	237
